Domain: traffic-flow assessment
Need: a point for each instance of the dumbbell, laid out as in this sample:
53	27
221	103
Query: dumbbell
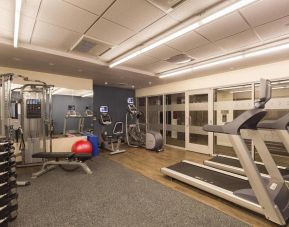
9	179
7	165
7	174
6	200
4	222
9	192
8	185
9	207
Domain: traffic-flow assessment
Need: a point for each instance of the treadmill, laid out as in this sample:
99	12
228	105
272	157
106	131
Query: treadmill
232	164
266	196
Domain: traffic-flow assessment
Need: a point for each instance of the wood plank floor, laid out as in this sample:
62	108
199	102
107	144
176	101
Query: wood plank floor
149	163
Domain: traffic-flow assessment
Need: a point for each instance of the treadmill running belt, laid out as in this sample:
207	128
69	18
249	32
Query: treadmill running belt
236	163
218	179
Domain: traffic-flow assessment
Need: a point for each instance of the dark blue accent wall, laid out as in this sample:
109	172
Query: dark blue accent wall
115	99
60	104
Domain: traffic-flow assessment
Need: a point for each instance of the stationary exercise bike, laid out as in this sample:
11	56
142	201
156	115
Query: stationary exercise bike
109	141
150	140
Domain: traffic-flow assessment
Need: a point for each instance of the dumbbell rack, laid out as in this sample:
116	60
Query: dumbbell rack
8	190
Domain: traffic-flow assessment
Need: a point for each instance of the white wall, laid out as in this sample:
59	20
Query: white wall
269	71
52	79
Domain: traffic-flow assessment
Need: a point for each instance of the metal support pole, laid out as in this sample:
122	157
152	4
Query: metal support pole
271	211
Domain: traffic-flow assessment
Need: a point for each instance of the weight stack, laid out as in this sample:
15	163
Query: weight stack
8	190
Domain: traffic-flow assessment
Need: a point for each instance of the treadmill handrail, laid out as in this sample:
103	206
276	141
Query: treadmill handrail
282	123
247	120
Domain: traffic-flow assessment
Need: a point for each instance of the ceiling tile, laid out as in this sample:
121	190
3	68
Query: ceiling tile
160	66
135	15
109	32
206	51
265	11
139	38
7	25
157	27
274	29
122	48
140	61
223	27
50	36
29	7
239	40
188	42
190	8
163	52
65	15
94	6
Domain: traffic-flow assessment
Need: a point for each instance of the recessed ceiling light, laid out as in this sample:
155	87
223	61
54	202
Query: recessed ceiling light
106	83
132	86
51	63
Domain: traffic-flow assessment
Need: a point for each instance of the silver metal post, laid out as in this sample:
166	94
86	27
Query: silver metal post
265	155
271	211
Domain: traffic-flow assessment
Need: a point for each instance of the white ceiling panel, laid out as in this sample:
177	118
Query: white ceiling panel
7	25
109	32
223	27
95	6
139	38
238	41
141	61
206	51
50	36
265	11
157	27
122	48
188	42
274	29
65	15
160	66
163	52
135	15
190	7
29	7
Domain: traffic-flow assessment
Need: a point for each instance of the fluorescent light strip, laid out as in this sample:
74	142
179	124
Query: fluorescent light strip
176	73
267	50
185	30
235	58
17	22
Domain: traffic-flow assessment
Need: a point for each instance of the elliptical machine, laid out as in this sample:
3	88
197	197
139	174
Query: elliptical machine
108	141
150	140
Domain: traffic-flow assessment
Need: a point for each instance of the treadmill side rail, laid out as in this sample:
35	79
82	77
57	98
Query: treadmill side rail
215	190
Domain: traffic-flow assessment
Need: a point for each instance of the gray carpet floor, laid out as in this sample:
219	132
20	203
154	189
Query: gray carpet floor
112	196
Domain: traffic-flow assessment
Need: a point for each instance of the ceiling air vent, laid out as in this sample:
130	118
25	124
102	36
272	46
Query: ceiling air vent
90	46
180	59
166	5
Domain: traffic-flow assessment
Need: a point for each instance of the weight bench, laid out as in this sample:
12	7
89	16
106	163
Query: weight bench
62	159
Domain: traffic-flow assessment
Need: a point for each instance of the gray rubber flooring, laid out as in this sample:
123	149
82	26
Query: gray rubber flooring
112	196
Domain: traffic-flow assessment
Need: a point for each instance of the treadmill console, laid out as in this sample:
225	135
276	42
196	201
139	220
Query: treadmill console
130	100
105	118
33	108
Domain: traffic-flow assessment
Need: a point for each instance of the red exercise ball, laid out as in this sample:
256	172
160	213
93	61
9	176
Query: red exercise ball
81	147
